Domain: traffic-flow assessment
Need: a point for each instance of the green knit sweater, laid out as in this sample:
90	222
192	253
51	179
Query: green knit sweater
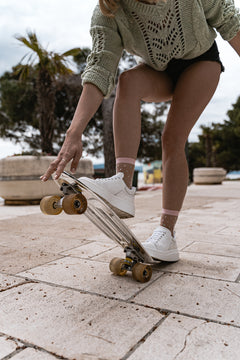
181	29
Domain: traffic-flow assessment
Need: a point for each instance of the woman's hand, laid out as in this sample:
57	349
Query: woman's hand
88	104
71	150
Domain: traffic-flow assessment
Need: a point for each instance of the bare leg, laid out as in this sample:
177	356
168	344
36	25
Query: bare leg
134	85
194	90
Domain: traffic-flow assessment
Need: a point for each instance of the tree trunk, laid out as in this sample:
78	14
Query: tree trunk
46	106
208	149
108	142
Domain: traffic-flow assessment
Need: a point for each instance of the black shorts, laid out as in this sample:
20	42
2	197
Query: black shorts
176	66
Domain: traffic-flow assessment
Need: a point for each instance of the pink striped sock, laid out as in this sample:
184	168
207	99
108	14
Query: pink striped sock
169	219
126	166
125	160
170	212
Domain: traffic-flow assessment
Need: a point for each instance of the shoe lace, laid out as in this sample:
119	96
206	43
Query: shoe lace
156	236
104	180
116	177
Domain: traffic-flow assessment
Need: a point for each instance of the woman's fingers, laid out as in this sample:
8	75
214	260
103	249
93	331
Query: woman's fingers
75	161
69	151
57	166
60	163
61	167
52	167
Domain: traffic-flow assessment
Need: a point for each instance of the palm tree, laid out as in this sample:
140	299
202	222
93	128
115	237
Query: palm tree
48	67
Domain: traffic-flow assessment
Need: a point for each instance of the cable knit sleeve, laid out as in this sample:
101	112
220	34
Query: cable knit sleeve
102	63
223	16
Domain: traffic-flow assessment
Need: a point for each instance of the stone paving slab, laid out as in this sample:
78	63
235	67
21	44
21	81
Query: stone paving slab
6	212
87	275
202	223
89	250
7	281
188	230
189	233
71	306
58	227
101	238
109	255
195	296
32	354
225	250
227	190
230	231
73	324
213	225
41	243
8	346
183	338
23	259
209	266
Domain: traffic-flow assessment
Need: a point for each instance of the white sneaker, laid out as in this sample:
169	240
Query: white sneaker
115	193
161	245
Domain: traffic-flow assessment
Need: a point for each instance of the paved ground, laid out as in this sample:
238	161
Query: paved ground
58	300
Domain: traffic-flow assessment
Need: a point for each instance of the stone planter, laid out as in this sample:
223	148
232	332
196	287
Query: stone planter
205	176
20	182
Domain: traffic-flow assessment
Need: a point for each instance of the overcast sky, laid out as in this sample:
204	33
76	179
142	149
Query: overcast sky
61	25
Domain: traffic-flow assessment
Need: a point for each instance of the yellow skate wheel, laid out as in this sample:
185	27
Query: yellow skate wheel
142	272
48	205
116	266
74	204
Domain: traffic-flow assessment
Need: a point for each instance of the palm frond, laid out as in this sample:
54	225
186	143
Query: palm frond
31	41
72	52
56	64
24	56
22	71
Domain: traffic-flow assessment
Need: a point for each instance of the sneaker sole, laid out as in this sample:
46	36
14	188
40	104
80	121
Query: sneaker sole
170	255
120	213
98	191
